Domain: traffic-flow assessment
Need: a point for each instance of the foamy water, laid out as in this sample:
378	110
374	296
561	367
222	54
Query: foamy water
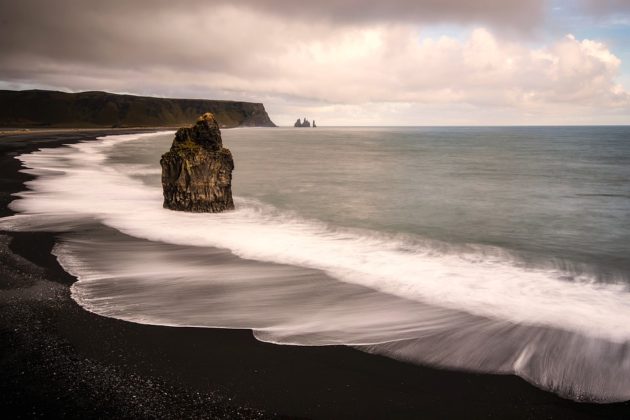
410	297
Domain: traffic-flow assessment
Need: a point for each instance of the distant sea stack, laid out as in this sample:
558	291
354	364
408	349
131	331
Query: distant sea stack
304	123
197	171
46	108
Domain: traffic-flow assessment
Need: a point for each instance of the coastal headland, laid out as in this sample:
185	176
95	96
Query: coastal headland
53	109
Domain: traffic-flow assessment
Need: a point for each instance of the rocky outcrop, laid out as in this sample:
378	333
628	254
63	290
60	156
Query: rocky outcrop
197	171
45	108
304	123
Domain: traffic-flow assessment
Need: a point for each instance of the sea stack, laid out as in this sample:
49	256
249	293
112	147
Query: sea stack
305	123
197	171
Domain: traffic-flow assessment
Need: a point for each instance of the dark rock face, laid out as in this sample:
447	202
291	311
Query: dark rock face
197	171
45	108
304	123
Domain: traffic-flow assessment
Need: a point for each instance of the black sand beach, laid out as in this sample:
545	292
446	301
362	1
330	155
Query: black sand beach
58	360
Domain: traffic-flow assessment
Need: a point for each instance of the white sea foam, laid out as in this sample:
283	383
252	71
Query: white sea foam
162	284
477	308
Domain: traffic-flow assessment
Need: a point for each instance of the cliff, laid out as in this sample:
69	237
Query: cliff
44	108
197	171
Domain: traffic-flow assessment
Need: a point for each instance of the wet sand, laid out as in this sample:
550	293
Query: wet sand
60	360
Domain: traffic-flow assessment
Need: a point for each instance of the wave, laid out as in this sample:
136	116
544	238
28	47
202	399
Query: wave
469	307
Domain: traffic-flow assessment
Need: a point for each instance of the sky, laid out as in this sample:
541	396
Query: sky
352	62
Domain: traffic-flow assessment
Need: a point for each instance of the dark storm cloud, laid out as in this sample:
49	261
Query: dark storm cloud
500	12
91	28
35	35
131	35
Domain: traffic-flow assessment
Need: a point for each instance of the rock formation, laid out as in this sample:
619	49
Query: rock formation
304	123
314	125
197	171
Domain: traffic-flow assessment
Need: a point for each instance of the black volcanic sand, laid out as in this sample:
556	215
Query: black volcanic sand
58	360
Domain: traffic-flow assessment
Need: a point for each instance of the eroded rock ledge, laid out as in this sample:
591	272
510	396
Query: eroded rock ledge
197	171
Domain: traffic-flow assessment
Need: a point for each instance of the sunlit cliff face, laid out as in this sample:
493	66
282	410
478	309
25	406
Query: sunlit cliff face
491	62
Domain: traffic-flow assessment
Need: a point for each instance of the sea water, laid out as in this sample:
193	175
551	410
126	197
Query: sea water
502	250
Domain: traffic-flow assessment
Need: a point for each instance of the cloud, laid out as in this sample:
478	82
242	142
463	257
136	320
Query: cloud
604	7
144	31
509	13
521	13
388	68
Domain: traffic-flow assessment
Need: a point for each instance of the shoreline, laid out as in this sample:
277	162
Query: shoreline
29	131
60	360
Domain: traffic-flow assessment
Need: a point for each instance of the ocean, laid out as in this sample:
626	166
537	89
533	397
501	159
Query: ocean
488	249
